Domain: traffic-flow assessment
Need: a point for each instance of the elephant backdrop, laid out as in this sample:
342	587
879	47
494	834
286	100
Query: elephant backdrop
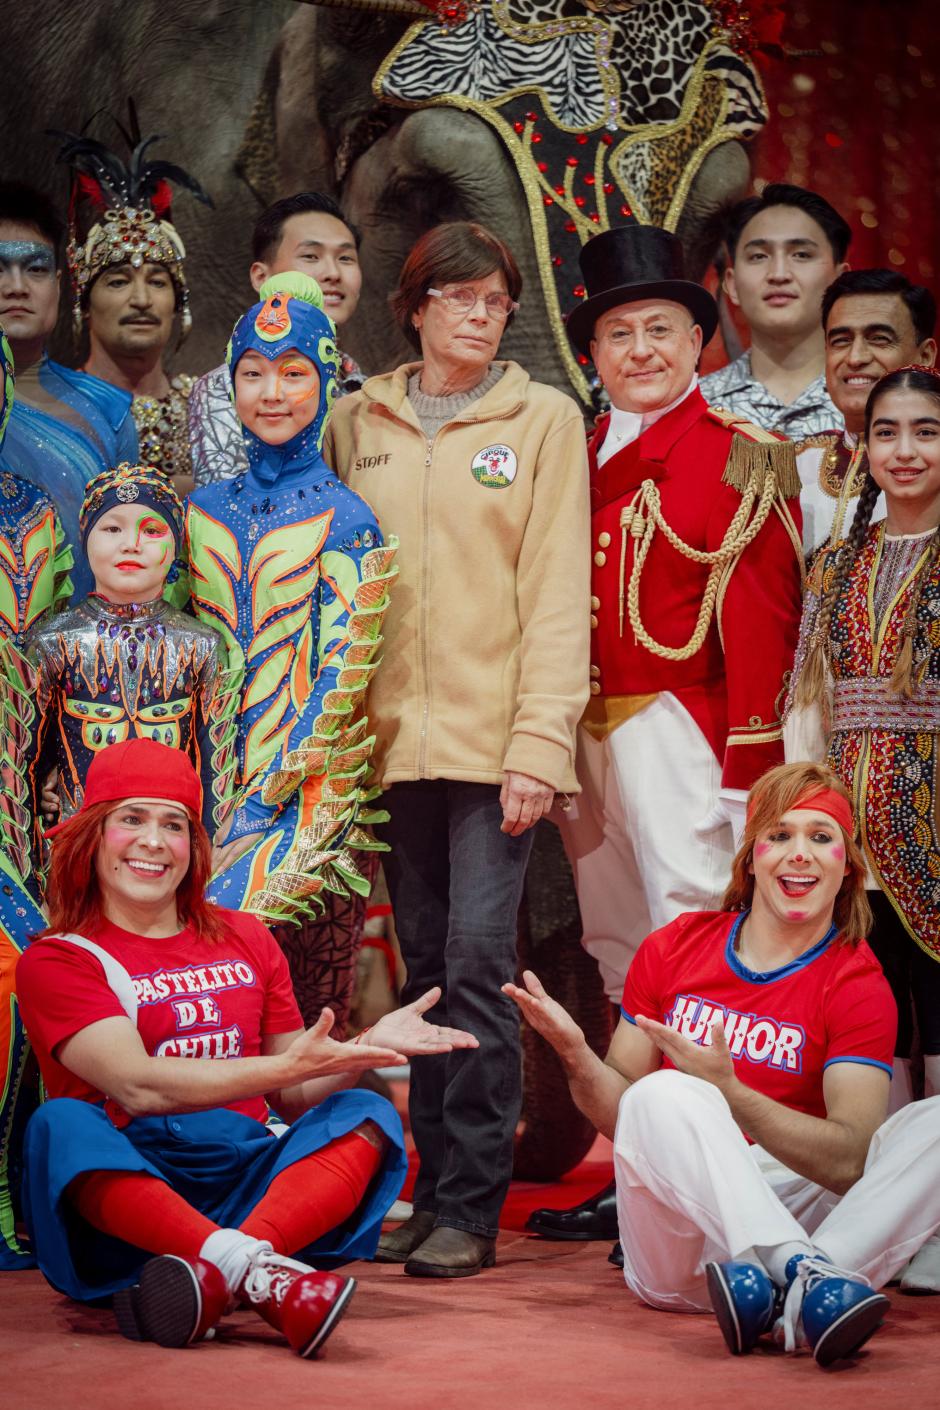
542	118
547	120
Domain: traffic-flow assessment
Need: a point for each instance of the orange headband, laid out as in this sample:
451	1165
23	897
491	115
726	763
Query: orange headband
828	801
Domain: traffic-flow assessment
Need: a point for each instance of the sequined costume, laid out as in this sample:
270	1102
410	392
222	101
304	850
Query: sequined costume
106	672
884	746
290	566
163	430
34	565
103	672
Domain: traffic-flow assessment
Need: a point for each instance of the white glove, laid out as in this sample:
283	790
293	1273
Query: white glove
730	810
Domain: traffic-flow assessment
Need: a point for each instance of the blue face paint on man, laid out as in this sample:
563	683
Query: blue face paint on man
30	258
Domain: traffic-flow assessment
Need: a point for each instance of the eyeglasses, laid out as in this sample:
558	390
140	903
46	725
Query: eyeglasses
462	299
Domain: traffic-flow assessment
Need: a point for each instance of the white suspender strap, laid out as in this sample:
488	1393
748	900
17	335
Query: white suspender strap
119	981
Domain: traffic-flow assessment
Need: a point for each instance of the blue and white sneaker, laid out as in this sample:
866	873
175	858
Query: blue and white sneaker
745	1300
836	1311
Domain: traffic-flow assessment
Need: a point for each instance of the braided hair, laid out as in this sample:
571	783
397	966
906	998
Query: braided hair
811	686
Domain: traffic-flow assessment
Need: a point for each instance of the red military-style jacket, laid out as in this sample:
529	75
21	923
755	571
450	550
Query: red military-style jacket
733	685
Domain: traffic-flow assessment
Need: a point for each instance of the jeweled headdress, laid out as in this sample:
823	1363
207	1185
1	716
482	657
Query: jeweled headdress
143	485
124	211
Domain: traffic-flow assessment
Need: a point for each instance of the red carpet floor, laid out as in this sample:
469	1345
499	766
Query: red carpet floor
551	1327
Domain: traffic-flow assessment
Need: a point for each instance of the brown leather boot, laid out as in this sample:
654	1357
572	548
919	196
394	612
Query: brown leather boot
451	1253
398	1245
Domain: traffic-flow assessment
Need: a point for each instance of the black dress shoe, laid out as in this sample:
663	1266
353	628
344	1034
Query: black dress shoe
451	1253
616	1255
596	1218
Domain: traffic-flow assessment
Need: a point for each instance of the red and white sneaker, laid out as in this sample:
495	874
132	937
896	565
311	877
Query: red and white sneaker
176	1302
302	1304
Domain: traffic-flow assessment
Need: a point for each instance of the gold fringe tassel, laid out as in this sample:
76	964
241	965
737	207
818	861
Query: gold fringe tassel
750	460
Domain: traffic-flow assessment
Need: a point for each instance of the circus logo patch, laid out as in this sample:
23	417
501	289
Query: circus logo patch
495	467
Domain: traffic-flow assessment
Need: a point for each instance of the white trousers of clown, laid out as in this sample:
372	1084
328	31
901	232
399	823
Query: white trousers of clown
631	838
690	1189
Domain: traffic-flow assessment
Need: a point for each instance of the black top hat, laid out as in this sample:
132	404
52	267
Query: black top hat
635	262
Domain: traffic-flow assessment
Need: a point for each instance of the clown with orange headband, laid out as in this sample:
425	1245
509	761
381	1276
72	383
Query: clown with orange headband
163	1026
746	1089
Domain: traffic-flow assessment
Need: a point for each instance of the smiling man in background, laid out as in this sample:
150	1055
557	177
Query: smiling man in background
874	321
785	247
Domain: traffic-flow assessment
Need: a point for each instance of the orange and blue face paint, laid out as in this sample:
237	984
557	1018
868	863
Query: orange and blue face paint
289	318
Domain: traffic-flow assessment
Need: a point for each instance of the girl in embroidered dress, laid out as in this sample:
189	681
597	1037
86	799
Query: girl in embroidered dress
871	632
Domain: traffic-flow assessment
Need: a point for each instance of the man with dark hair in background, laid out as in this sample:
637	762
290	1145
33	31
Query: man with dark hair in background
873	321
785	247
307	233
65	427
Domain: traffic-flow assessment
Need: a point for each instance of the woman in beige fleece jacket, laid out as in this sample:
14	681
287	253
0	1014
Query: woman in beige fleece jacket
482	475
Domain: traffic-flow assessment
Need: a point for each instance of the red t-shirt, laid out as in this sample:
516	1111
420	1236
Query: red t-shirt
785	1027
196	998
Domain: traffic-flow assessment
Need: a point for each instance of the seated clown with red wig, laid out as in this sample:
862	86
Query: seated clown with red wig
153	1172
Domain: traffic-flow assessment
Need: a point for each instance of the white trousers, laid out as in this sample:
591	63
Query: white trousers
631	838
690	1189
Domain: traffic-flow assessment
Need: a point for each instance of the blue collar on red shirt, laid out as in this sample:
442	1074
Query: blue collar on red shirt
801	961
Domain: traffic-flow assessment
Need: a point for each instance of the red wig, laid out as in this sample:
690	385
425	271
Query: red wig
73	895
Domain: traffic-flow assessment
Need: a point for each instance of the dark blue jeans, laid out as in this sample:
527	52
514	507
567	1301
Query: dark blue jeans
455	883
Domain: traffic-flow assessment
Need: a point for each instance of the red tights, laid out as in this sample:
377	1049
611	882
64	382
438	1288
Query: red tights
303	1202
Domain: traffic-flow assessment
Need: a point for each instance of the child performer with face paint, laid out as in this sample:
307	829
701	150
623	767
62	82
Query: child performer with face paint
123	663
289	565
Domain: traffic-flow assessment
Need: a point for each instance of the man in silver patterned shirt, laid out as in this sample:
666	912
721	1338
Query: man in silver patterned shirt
306	232
785	247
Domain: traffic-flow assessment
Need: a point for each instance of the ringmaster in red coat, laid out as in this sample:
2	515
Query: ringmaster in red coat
695	610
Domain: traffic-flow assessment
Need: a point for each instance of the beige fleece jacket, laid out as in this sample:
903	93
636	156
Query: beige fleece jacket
485	662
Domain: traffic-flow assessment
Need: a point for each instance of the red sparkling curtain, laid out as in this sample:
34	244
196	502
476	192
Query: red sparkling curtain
859	121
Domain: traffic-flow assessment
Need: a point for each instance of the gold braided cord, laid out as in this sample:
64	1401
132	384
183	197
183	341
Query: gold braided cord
851	487
646	509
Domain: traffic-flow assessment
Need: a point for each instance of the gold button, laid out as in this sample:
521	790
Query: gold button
595	687
595	604
600	558
593	621
595	672
603	539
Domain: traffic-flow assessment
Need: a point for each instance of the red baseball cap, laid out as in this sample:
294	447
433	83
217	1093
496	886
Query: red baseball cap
139	768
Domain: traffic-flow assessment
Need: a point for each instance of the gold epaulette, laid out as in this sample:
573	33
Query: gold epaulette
753	452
